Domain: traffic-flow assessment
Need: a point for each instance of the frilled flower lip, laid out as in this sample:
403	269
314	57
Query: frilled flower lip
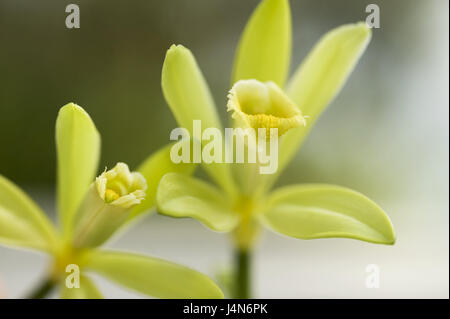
258	104
128	188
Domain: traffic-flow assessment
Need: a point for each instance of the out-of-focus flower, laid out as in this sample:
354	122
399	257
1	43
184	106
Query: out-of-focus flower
90	212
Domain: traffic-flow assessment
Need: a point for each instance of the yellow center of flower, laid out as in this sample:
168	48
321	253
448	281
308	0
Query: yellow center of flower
245	234
111	196
263	105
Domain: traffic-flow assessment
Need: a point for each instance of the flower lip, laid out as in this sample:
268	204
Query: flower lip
263	105
120	187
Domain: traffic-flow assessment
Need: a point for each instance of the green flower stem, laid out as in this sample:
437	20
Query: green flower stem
42	290
242	274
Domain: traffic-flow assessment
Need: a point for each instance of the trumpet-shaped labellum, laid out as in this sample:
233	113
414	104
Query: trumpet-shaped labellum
78	150
320	211
154	276
258	98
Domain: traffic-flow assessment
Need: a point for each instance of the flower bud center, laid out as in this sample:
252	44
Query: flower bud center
110	196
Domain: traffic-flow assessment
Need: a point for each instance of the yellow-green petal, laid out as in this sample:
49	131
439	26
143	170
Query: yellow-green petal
323	211
184	196
320	78
22	222
264	50
87	290
153	169
189	99
78	150
186	90
107	205
153	276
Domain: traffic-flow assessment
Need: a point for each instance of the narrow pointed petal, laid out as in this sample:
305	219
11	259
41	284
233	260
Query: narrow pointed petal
22	222
87	290
323	211
183	196
186	90
264	50
78	150
320	78
189	99
153	276
153	169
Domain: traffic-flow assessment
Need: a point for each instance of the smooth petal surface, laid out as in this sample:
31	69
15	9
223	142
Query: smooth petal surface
320	78
87	290
264	50
153	169
321	211
22	222
78	150
183	196
153	276
189	98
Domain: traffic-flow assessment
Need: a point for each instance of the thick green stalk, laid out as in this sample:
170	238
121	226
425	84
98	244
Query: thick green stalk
242	274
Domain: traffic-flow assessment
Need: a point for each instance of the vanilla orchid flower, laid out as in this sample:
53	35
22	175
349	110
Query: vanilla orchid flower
243	200
90	212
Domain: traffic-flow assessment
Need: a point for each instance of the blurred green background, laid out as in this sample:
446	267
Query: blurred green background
385	135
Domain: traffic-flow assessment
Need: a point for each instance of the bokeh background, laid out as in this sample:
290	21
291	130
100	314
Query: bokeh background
386	134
